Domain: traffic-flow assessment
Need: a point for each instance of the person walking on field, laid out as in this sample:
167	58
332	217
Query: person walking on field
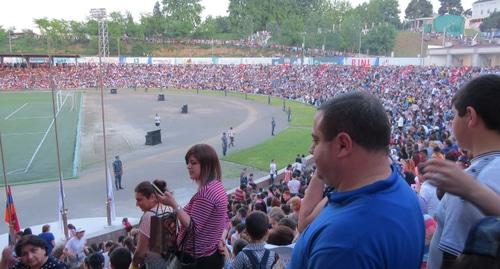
230	134
157	120
224	144
118	171
273	126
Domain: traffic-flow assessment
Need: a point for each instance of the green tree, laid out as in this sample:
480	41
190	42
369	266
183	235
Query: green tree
491	23
418	9
380	39
350	32
452	7
182	16
380	11
157	10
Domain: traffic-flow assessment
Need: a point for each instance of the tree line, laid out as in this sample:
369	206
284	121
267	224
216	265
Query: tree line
328	24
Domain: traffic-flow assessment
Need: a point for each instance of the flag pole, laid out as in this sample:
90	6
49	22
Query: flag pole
63	210
11	228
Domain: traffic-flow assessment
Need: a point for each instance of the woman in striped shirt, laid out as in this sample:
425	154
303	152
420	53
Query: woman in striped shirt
206	211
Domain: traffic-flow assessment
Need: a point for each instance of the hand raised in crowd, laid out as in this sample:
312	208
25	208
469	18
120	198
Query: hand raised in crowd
448	177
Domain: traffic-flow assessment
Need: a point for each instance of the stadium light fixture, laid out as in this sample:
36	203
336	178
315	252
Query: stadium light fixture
98	13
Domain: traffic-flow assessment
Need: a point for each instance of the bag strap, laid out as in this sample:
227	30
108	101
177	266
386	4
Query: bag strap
189	230
253	259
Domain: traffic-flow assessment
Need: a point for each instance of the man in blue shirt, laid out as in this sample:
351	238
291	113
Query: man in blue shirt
48	237
372	219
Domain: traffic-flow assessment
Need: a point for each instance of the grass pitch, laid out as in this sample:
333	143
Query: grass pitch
28	137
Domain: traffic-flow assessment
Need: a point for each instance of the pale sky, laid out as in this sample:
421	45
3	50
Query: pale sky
20	13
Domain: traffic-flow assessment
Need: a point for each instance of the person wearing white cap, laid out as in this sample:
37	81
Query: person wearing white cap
74	248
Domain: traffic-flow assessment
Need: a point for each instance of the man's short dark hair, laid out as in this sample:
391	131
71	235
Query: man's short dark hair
257	225
361	116
32	240
482	94
120	258
95	261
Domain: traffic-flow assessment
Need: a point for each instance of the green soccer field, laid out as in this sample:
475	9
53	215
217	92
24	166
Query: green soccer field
28	137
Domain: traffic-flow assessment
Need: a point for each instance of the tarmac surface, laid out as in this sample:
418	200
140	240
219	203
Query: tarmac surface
129	115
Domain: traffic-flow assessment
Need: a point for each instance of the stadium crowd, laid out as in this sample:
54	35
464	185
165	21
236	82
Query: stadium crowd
431	116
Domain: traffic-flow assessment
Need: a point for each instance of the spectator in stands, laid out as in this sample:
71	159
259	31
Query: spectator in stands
476	126
294	184
254	255
71	230
295	207
8	259
32	253
48	237
288	174
94	261
239	194
352	131
120	258
275	215
281	236
146	198
75	248
126	224
205	214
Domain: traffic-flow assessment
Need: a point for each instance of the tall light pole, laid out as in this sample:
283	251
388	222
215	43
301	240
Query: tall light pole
422	46
10	41
100	15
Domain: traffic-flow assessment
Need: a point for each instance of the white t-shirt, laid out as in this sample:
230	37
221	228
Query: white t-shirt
157	119
76	247
294	186
428	193
272	169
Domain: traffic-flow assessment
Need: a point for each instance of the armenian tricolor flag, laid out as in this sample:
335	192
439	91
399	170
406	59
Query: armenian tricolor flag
10	212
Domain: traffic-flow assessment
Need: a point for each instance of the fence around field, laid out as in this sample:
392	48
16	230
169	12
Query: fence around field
27	129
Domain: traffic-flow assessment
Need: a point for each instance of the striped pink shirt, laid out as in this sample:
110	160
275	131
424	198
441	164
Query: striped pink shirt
208	209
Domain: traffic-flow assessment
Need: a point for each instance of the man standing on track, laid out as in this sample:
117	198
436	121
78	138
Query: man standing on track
118	171
230	134
157	120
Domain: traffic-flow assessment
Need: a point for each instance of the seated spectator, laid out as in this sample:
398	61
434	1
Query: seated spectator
295	207
275	216
120	258
288	222
280	236
94	261
254	255
32	253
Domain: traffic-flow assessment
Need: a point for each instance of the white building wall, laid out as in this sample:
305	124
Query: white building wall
484	9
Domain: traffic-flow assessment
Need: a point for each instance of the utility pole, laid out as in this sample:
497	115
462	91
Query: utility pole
10	41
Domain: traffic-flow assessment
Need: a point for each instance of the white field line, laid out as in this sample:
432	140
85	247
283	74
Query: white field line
43	139
27	133
30	118
15	111
17	171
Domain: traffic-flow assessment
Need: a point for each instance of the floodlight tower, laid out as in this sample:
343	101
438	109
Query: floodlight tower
100	15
